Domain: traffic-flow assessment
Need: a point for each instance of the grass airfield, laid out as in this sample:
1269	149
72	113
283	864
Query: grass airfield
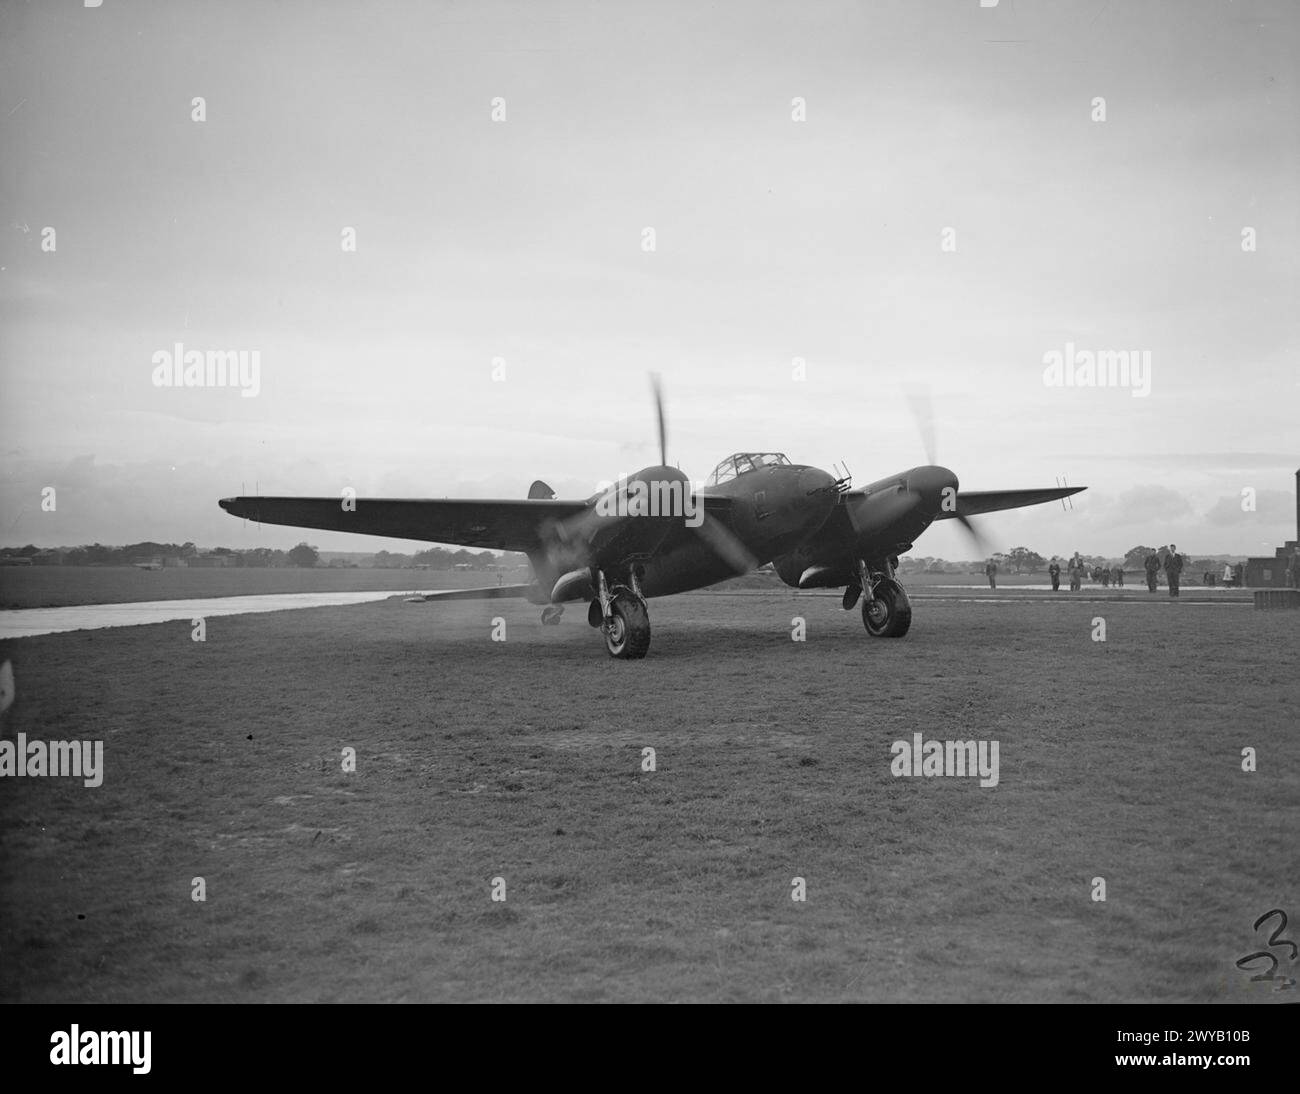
66	586
522	760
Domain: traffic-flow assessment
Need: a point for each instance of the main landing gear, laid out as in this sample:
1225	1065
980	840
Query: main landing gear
886	611
620	612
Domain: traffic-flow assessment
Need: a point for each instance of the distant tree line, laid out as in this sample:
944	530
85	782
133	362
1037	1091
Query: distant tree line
303	555
1021	560
439	558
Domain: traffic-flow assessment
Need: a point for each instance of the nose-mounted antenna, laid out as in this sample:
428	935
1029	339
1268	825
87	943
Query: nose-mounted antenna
843	478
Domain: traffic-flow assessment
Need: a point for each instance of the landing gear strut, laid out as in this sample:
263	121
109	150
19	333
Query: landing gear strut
886	610
620	611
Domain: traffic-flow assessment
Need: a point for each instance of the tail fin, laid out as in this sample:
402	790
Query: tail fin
542	570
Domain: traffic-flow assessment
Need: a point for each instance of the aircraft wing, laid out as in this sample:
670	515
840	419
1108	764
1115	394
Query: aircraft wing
510	524
973	502
490	592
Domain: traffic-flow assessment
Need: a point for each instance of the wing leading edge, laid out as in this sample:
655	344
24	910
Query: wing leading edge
500	524
971	503
505	524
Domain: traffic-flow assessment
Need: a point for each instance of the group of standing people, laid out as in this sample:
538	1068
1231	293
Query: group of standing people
1172	565
1105	575
1233	576
1077	569
1167	559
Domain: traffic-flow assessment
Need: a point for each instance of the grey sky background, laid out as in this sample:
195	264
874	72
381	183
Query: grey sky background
522	240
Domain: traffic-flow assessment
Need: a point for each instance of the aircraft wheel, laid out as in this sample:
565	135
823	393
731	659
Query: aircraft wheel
627	634
551	615
889	615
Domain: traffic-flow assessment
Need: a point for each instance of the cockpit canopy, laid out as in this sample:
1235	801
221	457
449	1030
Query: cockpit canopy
742	462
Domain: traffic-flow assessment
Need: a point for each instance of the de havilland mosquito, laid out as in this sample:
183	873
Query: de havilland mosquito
649	534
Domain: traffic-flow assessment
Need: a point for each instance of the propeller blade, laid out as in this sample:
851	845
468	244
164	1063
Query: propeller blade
659	412
564	551
725	545
974	534
918	398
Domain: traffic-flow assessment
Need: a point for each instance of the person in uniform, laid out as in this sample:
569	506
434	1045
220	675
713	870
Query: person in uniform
1117	576
1173	568
991	569
1076	573
1054	572
1152	566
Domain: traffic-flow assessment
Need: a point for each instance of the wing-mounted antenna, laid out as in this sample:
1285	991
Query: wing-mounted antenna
1060	481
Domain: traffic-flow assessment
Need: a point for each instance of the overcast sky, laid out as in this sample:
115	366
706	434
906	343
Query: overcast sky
522	239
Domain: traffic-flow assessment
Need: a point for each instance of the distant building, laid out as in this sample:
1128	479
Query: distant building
1269	572
212	561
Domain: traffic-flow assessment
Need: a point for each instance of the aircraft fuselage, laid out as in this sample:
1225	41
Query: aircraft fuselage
772	510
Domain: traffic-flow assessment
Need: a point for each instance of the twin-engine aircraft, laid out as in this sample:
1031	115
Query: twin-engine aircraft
650	534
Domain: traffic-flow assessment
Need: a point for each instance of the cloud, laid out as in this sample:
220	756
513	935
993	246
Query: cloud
1147	502
1271	506
1201	461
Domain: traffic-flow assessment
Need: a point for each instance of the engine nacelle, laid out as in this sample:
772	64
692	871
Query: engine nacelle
800	569
575	585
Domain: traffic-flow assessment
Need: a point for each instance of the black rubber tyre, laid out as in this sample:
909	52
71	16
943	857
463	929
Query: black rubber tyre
627	635
889	615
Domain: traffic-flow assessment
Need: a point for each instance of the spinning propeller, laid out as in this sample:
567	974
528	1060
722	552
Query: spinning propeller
568	548
922	407
717	535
